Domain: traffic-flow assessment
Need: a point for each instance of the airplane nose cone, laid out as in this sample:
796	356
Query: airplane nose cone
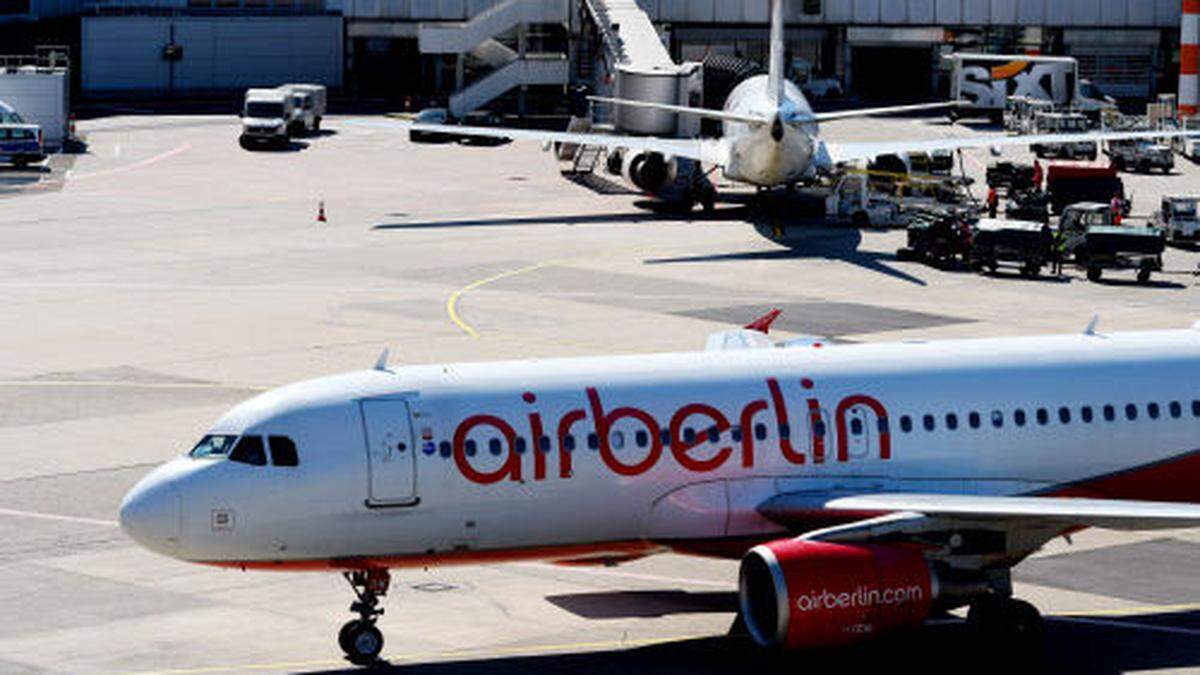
151	515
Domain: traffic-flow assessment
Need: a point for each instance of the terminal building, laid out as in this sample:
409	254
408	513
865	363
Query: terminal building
524	54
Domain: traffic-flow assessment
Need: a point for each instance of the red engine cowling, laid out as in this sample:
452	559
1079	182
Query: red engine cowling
799	594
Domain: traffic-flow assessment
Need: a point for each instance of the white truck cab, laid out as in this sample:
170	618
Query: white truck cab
267	115
1177	217
309	100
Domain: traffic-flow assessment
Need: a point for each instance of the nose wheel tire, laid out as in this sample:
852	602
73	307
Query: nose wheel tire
362	642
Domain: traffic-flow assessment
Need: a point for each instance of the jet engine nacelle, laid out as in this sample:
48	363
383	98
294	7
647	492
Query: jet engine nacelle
649	171
797	594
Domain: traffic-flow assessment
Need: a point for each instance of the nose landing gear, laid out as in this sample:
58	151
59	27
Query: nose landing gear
359	638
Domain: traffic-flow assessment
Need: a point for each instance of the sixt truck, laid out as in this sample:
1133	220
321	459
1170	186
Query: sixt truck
982	84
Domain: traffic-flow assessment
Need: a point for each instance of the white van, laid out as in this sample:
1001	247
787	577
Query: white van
267	115
309	100
21	143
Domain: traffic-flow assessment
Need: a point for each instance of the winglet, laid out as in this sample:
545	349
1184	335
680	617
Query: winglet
382	362
763	323
1091	327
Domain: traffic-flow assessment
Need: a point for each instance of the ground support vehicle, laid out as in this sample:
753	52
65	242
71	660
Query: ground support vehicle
1096	244
267	116
938	238
1074	182
1010	176
982	84
1032	205
311	98
1063	123
1023	244
852	201
1177	218
1142	156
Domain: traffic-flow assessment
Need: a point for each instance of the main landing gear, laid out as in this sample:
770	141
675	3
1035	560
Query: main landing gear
1015	624
359	638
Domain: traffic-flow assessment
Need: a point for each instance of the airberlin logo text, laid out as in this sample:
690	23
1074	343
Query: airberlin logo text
860	597
599	418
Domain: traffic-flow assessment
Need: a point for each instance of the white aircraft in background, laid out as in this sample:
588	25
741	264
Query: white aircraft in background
863	486
771	135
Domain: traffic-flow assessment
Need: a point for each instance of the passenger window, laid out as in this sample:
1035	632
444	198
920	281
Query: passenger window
760	431
519	444
998	418
1110	413
1064	415
930	423
785	431
470	447
906	424
666	436
856	426
1176	409
974	420
1085	414
819	429
568	442
736	434
1019	417
713	435
689	435
249	450
951	421
641	438
544	444
494	446
1131	412
1196	408
1043	416
444	448
283	451
593	441
1153	410
617	440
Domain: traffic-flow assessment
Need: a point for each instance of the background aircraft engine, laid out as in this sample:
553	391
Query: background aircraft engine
799	594
649	171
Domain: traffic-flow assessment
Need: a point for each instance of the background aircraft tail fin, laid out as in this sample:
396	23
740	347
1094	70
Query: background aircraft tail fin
776	69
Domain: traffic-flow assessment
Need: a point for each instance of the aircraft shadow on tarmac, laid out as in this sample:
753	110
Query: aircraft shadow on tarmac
1112	646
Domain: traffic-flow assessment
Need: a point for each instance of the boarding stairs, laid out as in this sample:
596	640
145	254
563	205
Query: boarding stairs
628	34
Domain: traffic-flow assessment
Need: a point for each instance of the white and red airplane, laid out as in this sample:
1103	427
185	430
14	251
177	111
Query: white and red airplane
863	486
771	135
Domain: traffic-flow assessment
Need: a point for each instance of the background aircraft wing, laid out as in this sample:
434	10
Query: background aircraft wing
856	150
909	513
874	112
709	151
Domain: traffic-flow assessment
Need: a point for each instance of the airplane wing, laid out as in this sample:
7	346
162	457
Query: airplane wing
683	110
709	151
907	513
791	117
850	151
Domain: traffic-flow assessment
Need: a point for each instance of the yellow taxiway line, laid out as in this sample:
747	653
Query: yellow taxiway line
452	301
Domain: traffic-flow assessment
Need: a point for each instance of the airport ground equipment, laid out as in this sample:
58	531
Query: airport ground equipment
1074	182
313	97
1063	123
852	201
1010	176
21	143
1029	204
1096	244
1142	156
1019	113
1177	217
267	116
432	116
938	238
39	88
1023	244
982	83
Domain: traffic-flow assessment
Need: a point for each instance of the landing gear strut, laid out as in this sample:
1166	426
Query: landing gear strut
359	638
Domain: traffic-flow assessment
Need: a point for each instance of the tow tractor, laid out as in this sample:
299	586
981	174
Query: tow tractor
1177	218
1096	243
1141	155
938	238
1019	243
1063	123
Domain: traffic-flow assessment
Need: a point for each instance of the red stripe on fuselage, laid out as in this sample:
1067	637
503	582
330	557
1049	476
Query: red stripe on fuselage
1172	480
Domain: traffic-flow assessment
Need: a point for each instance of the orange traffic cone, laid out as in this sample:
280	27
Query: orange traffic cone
321	212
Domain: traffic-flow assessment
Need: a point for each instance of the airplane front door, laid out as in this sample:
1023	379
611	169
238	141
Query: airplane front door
391	453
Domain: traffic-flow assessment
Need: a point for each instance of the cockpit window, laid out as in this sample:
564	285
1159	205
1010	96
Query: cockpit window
249	450
283	451
214	446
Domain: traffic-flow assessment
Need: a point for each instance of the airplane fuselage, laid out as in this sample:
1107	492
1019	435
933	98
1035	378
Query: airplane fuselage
770	154
621	456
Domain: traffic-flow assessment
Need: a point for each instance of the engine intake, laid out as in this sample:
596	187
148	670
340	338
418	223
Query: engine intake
649	171
797	594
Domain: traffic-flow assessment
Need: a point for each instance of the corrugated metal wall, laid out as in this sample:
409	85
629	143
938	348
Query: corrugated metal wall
124	54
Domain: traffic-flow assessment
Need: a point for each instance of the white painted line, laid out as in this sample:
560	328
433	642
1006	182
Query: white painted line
627	575
58	518
1112	623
